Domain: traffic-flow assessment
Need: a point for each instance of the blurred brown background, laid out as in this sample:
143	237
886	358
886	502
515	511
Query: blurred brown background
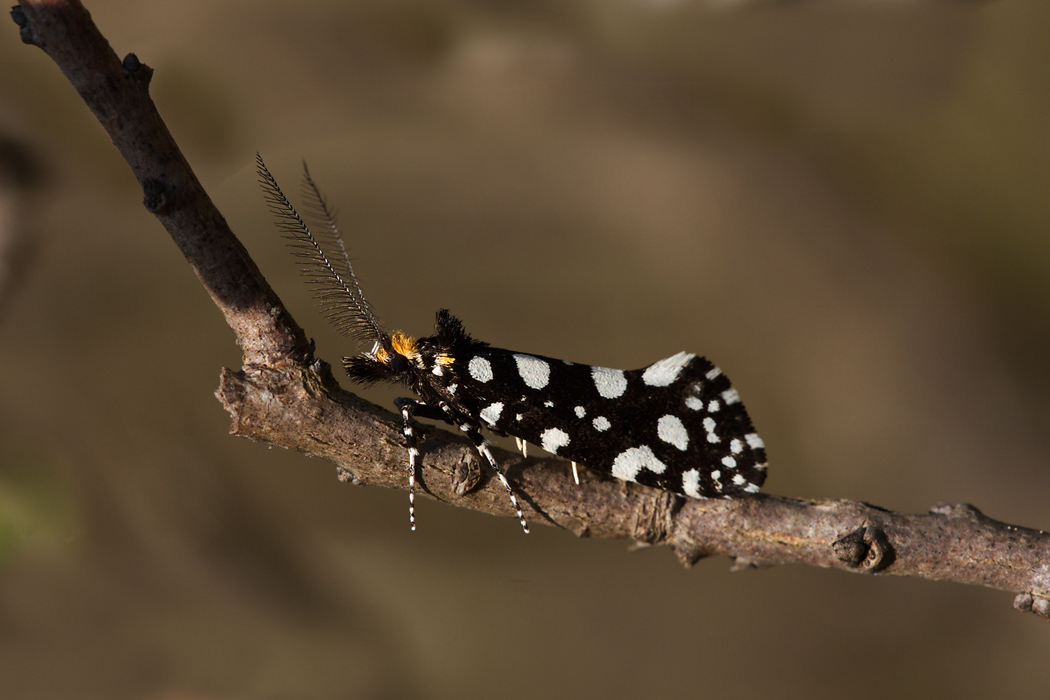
845	204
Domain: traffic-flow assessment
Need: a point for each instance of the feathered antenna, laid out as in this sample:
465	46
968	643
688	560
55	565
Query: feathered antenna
327	264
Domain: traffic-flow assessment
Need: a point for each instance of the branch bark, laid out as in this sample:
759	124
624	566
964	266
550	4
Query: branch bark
282	396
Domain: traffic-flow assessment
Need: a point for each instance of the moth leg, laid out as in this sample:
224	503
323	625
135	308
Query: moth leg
424	410
410	408
483	448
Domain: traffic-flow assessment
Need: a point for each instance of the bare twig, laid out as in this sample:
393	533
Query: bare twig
283	397
118	95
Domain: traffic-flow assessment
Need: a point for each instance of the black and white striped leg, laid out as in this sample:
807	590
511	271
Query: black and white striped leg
483	449
409	409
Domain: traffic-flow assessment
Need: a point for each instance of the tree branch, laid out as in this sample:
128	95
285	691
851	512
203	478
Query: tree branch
118	95
282	396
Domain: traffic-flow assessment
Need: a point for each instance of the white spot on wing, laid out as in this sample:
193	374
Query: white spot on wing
755	441
691	483
709	426
480	369
694	403
534	372
736	447
601	424
630	462
490	414
729	462
664	372
552	439
670	429
730	396
548	404
611	383
713	406
713	373
452	388
580	411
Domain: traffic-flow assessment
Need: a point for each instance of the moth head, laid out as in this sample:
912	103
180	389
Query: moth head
390	360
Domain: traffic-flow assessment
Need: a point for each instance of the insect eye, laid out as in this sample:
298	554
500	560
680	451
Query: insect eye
398	363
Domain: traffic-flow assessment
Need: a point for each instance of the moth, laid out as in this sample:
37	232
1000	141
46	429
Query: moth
676	425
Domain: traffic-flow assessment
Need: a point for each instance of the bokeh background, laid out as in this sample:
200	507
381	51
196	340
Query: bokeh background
845	204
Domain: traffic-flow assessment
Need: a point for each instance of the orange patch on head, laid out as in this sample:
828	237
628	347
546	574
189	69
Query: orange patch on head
404	344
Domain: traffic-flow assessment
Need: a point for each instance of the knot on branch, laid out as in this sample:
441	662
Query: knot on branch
138	70
959	510
25	32
1026	602
689	554
867	548
156	198
346	476
466	476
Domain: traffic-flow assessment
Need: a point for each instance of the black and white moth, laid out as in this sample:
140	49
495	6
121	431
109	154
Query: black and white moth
676	425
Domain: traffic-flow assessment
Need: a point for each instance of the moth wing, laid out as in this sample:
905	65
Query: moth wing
677	424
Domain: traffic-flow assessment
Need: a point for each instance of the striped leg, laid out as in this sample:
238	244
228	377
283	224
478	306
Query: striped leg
409	409
483	449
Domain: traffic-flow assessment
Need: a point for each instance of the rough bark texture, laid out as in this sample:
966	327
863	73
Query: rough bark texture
283	397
